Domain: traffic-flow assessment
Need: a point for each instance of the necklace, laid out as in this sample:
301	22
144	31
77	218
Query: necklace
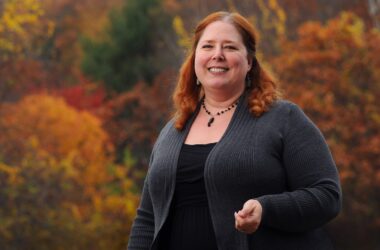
212	116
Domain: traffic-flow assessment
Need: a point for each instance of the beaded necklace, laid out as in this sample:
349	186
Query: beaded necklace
212	116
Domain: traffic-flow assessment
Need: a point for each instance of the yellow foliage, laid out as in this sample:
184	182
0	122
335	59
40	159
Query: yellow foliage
53	131
12	173
183	36
20	22
231	6
274	16
68	178
130	206
354	26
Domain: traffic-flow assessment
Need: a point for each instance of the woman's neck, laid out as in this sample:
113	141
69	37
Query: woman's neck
217	101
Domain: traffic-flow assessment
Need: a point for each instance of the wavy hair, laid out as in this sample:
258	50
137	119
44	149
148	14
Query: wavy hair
262	92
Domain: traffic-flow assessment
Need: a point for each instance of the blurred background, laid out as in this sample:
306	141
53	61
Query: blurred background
85	88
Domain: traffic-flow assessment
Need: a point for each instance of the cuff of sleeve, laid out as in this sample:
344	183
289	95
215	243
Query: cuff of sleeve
264	201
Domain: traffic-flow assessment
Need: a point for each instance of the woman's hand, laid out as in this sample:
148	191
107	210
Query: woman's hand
248	219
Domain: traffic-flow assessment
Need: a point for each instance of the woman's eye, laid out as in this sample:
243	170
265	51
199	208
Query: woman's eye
230	47
207	46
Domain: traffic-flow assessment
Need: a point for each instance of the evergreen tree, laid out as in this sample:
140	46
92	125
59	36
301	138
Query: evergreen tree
130	49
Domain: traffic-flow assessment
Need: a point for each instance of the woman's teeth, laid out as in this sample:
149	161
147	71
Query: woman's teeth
217	69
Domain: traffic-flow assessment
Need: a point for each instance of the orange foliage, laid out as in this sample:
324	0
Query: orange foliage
332	71
58	185
48	126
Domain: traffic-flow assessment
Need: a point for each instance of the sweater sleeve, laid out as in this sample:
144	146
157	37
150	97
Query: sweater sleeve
314	195
142	230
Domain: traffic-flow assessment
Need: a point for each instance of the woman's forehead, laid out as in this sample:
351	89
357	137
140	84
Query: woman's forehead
221	30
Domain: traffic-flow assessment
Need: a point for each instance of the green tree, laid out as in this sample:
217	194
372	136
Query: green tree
131	50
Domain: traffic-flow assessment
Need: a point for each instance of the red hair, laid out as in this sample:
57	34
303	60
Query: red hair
262	92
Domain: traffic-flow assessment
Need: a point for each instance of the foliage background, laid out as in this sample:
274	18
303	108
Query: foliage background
85	88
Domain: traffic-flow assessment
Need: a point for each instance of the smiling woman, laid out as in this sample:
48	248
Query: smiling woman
236	168
221	60
237	35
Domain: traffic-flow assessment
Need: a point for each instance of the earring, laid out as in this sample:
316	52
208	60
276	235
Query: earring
198	82
248	81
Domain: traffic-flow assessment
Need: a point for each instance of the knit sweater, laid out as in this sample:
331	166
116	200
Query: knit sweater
281	159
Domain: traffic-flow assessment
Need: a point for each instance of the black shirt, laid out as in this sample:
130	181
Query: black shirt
189	224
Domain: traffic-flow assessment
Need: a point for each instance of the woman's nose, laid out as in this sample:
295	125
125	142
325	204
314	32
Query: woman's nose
218	54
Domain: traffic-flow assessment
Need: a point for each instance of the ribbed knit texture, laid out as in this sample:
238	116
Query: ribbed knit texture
189	225
281	159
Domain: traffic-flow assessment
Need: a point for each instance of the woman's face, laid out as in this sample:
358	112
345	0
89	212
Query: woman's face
221	60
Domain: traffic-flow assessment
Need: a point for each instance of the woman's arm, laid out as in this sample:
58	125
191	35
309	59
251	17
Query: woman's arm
314	195
142	230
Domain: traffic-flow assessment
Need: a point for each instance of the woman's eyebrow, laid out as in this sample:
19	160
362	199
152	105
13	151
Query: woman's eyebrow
213	41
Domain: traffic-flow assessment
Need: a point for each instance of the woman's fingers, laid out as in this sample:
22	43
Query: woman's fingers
247	209
239	221
248	219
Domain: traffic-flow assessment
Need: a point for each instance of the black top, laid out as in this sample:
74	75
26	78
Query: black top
189	224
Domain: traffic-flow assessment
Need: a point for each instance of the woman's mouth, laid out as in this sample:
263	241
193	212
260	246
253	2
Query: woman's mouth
217	69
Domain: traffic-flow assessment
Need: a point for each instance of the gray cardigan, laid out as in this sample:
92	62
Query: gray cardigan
281	159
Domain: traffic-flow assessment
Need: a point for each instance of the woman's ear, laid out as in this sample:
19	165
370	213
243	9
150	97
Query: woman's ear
249	59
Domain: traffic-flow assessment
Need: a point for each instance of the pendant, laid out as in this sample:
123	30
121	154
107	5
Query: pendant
210	121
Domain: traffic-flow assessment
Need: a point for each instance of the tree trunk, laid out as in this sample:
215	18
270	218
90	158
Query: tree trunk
374	11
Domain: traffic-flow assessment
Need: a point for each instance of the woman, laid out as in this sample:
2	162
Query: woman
236	168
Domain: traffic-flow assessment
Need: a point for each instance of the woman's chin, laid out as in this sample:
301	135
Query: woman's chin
217	85
221	85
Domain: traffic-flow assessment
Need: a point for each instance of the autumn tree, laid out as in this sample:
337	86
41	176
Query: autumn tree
72	19
59	188
332	71
39	42
134	118
273	19
20	28
23	28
